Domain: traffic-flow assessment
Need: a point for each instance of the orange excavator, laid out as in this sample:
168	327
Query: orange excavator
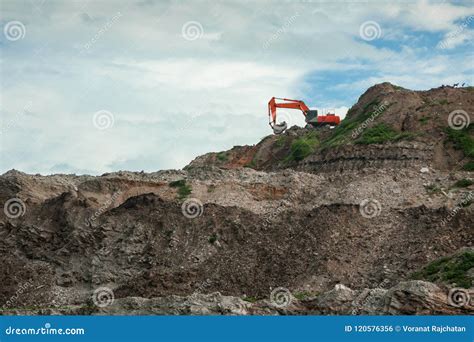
311	115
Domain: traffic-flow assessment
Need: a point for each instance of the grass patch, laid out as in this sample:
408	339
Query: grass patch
341	132
302	147
304	295
252	164
463	183
177	183
381	133
469	166
462	140
250	299
443	102
183	189
424	120
222	156
432	188
281	141
450	270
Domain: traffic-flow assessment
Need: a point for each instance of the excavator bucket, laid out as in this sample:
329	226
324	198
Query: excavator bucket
279	128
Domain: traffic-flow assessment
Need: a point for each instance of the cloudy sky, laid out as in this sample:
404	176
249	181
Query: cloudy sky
99	86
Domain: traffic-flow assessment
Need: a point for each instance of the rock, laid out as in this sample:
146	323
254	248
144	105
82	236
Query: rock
424	170
420	298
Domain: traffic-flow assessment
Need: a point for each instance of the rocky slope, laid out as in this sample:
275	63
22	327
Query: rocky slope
373	217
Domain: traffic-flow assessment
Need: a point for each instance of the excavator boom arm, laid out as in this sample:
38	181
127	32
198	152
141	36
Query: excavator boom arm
291	104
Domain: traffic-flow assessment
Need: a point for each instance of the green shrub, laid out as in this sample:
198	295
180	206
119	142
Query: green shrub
222	156
469	166
462	140
304	295
424	119
432	188
250	299
183	189
212	238
302	147
281	141
450	270
252	164
463	183
177	184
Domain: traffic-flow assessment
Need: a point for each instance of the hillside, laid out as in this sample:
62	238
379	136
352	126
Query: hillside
372	217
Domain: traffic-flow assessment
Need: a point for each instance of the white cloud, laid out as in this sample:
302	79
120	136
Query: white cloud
174	98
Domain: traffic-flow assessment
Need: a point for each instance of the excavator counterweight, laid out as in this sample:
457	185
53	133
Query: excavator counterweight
311	115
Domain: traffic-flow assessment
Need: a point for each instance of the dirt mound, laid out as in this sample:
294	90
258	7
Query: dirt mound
338	224
397	127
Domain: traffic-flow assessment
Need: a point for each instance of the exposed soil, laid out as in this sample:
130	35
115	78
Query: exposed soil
367	216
